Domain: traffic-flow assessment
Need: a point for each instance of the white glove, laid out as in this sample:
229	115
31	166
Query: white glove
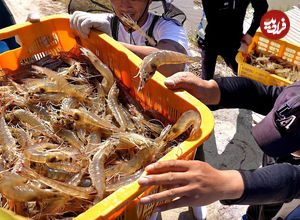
33	17
83	22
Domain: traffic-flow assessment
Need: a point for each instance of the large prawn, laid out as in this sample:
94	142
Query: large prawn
154	60
15	187
187	119
115	107
108	77
7	141
96	167
62	84
76	191
83	116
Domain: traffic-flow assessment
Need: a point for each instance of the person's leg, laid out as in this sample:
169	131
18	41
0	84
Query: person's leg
199	155
200	212
229	58
209	55
253	212
7	19
262	212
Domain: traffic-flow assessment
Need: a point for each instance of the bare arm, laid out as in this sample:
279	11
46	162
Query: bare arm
164	44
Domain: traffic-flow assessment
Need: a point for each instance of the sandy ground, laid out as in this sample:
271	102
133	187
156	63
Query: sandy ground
231	146
21	8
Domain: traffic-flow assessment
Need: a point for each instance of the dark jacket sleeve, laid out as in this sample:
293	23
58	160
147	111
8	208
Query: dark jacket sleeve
271	184
239	92
260	8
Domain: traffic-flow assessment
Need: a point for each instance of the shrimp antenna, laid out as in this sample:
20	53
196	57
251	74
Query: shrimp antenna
127	20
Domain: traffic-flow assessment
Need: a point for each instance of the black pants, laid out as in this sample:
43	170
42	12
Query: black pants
263	212
210	54
200	153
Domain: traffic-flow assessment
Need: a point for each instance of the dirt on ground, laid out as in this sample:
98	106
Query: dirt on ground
231	146
21	8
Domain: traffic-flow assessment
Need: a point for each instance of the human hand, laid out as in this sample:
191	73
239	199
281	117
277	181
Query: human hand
33	18
245	42
207	91
247	38
243	48
83	22
190	183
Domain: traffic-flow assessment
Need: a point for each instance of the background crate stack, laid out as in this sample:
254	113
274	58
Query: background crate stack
279	48
53	34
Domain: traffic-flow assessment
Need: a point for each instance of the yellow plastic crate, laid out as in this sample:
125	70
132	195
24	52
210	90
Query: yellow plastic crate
53	34
279	48
9	215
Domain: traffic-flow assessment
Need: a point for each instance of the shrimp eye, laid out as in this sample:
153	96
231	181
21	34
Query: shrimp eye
174	130
52	160
42	90
33	165
154	67
151	74
76	117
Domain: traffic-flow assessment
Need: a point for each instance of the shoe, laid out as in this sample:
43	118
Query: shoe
154	216
200	212
244	217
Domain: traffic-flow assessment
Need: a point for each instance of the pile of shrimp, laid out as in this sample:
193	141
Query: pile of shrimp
274	65
71	134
